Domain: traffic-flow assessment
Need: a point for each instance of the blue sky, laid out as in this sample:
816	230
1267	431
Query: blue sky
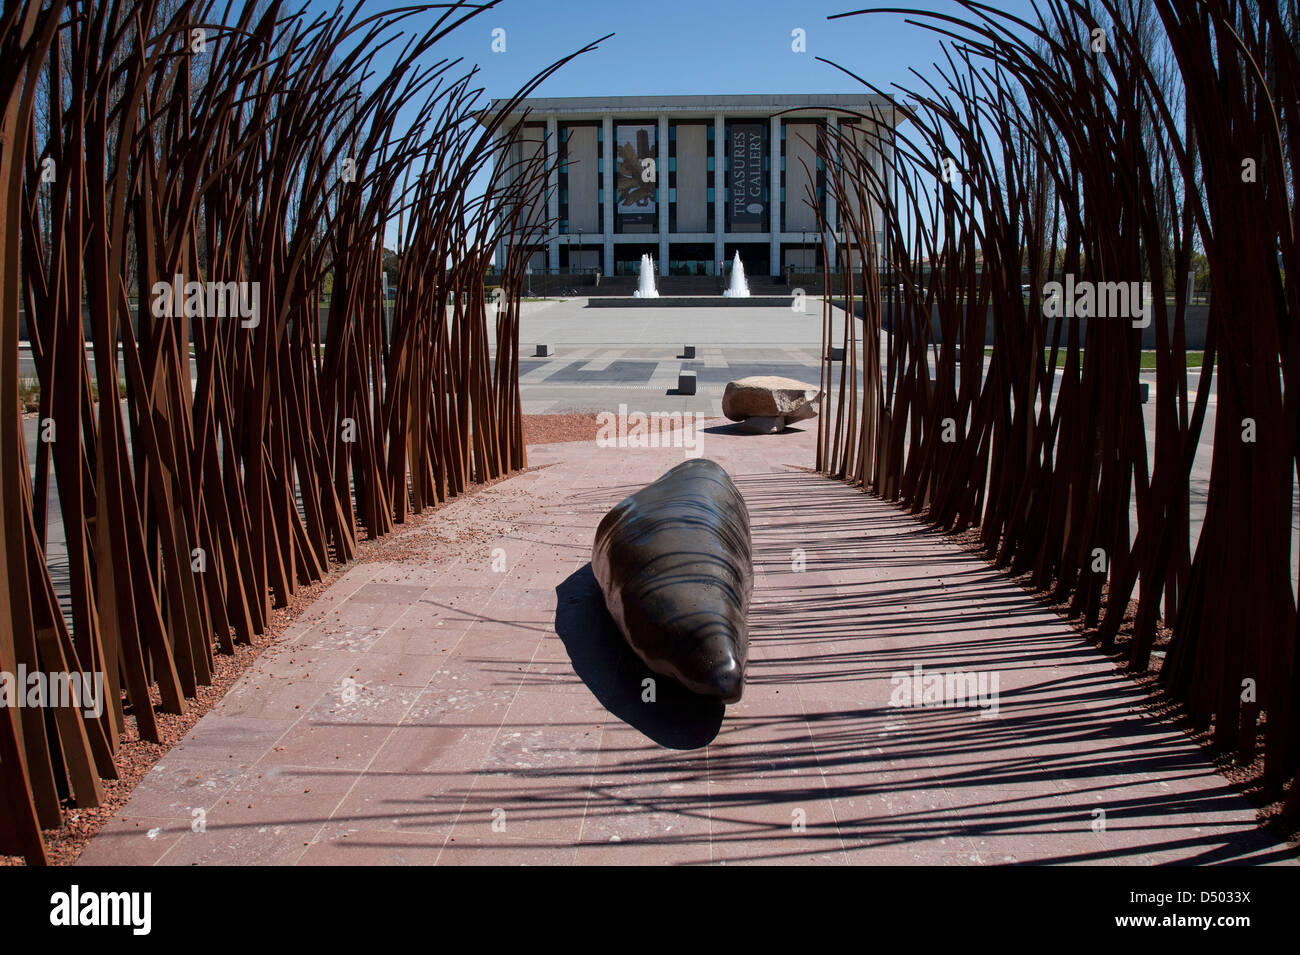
695	46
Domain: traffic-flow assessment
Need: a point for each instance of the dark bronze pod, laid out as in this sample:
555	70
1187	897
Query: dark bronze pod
674	562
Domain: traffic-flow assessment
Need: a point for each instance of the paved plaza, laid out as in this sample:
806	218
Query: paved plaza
606	356
435	711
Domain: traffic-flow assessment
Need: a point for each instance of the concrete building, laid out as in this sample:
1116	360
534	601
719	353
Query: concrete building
691	180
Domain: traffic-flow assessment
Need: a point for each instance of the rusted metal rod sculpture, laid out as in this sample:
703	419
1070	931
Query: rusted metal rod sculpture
180	189
1093	151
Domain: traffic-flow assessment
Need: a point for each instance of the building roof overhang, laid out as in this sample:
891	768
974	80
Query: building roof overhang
791	105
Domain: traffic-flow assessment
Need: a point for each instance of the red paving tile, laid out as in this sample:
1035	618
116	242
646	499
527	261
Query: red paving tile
479	708
135	840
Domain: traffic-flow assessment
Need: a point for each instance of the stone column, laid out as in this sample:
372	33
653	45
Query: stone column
719	206
661	186
774	201
553	193
607	185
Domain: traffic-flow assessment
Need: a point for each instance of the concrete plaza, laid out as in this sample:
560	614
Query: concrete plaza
606	356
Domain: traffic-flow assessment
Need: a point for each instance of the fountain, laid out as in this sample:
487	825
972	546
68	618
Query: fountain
738	288
645	285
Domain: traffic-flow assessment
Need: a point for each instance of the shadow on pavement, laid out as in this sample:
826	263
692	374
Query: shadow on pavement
734	428
601	658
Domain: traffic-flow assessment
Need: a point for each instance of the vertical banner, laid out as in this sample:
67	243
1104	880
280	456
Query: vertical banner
745	177
635	173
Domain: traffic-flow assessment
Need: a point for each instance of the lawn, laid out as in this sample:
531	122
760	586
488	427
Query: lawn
1148	360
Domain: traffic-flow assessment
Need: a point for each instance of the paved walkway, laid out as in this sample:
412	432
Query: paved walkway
495	717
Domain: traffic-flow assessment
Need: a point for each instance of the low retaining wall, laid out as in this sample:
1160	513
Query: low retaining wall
690	301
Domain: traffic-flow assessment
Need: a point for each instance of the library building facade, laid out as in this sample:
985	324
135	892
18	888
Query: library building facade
693	180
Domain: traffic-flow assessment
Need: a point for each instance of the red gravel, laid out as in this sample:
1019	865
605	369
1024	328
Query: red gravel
575	426
557	428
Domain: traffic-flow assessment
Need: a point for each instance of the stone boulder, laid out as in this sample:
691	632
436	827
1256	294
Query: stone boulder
761	424
770	396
